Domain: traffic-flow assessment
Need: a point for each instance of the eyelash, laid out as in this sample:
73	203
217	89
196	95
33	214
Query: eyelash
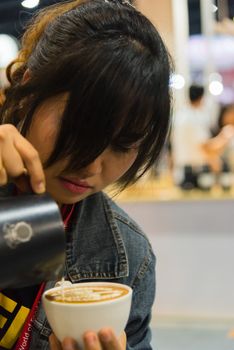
122	148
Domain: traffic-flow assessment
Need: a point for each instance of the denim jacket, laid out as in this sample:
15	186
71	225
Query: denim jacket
105	244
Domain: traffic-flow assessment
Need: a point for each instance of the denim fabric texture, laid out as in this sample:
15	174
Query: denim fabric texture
105	244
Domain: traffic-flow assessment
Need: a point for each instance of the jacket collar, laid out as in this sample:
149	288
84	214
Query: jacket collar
95	247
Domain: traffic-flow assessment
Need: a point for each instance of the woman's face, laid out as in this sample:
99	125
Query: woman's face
68	188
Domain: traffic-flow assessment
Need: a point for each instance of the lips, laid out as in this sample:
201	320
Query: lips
75	186
76	182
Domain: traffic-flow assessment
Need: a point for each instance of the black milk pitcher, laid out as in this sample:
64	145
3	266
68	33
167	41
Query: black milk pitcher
32	241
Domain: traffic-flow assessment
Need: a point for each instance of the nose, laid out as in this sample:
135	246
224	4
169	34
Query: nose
94	168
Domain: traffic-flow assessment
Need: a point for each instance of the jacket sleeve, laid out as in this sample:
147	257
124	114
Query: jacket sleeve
138	330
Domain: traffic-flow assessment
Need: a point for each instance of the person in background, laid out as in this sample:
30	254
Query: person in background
88	106
190	130
220	148
226	116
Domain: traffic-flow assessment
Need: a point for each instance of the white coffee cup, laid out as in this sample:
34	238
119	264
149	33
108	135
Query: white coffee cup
72	318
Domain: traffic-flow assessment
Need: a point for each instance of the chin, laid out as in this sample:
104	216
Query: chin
67	199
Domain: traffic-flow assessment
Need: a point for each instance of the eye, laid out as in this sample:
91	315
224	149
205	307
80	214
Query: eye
124	148
120	148
127	143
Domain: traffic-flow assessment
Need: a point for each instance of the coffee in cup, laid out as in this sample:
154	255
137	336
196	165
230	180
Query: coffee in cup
86	294
73	309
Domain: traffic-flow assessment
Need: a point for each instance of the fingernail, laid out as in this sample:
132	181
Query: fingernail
105	336
91	339
69	347
41	187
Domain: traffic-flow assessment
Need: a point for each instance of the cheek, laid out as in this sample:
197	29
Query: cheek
127	161
132	158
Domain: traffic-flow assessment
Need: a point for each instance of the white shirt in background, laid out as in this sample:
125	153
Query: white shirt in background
190	129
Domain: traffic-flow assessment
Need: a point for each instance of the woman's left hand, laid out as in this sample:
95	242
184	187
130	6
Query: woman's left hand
103	340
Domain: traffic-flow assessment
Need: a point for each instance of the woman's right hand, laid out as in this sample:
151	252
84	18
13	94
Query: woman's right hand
105	339
18	157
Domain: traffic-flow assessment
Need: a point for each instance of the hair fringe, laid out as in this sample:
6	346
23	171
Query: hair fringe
35	29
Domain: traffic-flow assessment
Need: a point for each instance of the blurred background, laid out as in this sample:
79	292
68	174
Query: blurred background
185	203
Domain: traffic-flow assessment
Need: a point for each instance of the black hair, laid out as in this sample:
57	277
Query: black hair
115	67
196	92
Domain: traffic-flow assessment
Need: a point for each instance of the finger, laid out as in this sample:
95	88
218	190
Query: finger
3	176
108	339
123	340
91	341
69	344
12	161
32	163
54	343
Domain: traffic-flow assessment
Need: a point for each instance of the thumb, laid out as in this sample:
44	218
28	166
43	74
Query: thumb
54	343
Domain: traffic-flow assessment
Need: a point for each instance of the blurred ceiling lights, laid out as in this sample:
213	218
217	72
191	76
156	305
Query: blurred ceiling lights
177	81
30	3
216	84
216	88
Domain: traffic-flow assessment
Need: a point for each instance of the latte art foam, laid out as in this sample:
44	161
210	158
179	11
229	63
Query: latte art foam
86	294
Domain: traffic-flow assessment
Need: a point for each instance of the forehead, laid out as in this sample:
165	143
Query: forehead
46	119
52	104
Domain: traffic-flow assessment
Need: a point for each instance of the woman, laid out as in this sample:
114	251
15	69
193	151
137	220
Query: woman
89	106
